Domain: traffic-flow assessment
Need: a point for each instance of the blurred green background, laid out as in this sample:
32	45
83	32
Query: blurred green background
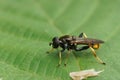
27	27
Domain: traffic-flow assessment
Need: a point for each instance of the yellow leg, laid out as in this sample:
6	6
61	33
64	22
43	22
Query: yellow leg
60	59
85	36
50	50
94	53
67	57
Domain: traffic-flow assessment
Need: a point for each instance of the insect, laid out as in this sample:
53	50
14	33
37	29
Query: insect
71	43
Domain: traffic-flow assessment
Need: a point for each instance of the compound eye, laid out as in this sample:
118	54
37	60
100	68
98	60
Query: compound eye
55	39
55	43
95	46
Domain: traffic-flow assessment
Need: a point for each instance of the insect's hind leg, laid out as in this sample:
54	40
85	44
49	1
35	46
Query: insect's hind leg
82	48
93	51
83	35
98	59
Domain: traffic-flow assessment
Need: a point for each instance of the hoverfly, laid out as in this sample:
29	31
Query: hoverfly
71	43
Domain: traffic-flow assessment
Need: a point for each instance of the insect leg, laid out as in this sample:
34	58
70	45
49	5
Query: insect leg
60	59
81	35
50	50
82	48
67	57
94	53
85	36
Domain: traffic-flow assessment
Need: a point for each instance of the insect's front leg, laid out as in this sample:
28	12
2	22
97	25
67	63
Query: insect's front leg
50	50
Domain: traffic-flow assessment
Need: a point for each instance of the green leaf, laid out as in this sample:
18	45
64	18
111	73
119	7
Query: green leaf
27	27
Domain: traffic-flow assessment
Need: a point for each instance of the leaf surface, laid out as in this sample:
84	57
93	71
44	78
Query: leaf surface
27	27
